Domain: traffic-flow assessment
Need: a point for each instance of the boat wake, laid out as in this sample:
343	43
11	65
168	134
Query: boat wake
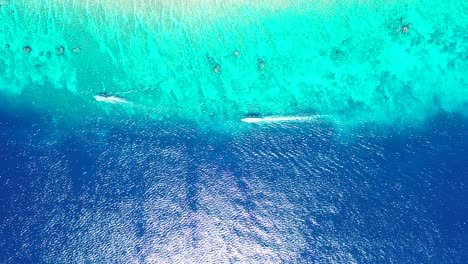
272	119
102	97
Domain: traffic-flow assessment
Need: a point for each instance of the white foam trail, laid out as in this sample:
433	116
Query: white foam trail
270	119
110	99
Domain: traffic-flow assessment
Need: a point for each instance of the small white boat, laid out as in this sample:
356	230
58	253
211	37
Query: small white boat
277	119
105	97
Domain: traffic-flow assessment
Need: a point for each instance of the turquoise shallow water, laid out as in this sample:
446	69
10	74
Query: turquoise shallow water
379	61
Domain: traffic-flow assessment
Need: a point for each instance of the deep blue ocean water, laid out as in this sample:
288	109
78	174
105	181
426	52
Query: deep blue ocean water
118	191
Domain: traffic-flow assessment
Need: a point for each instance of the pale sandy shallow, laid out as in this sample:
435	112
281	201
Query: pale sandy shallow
211	6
